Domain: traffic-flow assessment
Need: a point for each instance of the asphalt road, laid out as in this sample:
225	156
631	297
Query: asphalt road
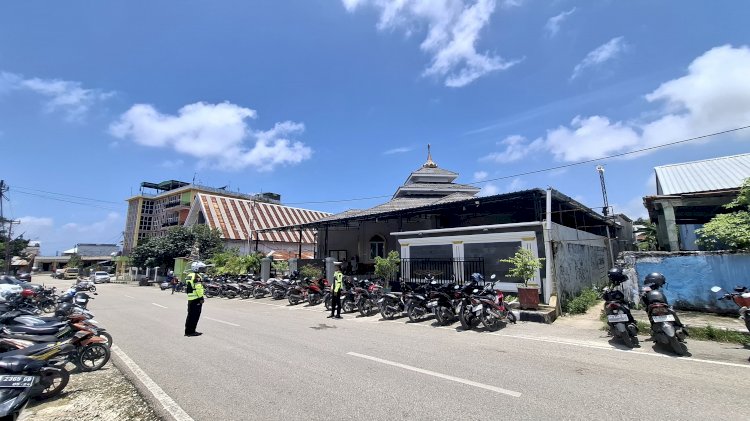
262	359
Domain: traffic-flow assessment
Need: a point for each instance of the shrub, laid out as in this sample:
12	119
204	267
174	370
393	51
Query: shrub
310	271
581	302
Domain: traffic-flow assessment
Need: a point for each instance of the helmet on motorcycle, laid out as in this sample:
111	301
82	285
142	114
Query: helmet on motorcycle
27	293
616	276
655	278
63	309
477	277
197	267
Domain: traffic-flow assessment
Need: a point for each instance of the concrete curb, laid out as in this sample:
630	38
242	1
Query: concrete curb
142	390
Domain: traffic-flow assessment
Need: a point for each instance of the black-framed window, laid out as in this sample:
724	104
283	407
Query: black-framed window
377	246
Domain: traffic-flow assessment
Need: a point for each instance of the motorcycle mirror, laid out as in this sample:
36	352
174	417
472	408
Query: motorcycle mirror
493	276
715	289
96	293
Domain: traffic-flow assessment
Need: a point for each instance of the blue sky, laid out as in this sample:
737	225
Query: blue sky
324	100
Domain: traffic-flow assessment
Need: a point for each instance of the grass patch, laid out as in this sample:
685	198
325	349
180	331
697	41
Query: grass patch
710	333
581	302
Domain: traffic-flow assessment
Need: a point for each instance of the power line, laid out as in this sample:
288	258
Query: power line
617	155
572	164
66	201
66	195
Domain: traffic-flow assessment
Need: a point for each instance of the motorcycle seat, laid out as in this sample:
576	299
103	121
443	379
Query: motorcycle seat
33	330
32	338
19	363
27	351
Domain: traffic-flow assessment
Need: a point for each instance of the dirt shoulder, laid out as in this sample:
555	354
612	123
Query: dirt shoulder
104	395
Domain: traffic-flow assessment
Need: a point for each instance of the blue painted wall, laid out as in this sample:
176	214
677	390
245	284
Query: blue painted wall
690	277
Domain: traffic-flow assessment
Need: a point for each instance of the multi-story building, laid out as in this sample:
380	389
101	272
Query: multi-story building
161	206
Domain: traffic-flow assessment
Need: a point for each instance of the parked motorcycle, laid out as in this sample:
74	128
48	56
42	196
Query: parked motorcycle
22	378
416	301
621	323
488	305
367	295
393	303
741	297
666	327
466	315
316	291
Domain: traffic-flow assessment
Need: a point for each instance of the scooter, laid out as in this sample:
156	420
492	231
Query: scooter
741	297
666	327
621	323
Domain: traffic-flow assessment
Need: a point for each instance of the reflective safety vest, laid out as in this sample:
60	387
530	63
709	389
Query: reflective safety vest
194	291
338	282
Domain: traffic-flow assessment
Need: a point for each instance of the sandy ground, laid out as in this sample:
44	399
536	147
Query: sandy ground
104	395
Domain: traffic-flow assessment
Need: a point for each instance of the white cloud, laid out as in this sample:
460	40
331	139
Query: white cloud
397	150
713	96
553	24
516	148
601	54
480	175
489	189
217	135
453	28
508	4
68	97
516	185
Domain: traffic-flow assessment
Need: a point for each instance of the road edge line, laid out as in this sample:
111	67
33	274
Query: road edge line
148	388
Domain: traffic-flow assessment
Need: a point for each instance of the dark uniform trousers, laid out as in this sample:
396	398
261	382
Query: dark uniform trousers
336	304
193	314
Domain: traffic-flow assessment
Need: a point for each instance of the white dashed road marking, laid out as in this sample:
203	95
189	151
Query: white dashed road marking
439	375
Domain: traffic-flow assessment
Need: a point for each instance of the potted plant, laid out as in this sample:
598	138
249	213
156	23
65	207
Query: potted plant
387	268
524	266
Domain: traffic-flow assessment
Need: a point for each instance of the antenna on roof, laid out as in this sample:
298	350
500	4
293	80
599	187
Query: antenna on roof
194	174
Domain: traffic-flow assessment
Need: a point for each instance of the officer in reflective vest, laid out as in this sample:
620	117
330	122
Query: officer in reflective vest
338	288
194	289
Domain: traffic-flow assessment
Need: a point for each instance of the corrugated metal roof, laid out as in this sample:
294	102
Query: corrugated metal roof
722	173
237	218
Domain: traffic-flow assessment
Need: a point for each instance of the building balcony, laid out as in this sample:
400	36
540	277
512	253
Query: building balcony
177	205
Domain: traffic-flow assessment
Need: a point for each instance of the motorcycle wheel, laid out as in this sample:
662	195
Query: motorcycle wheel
292	301
48	307
209	294
230	294
53	381
414	316
93	357
92	288
465	317
512	317
365	307
258	293
491	323
244	294
108	337
628	341
678	347
328	303
387	314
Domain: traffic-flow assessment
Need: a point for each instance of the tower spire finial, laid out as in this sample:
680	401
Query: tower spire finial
430	163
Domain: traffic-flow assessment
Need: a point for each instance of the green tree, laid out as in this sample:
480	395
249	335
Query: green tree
729	230
179	241
524	266
388	267
75	262
17	247
280	266
649	241
310	271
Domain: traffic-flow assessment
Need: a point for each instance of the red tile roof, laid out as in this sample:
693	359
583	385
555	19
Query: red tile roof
236	218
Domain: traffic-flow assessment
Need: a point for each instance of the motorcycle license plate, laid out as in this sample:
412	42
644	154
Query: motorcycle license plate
660	319
477	308
16	381
617	318
432	304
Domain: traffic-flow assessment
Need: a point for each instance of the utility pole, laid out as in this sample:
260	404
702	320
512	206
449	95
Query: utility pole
605	211
3	189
